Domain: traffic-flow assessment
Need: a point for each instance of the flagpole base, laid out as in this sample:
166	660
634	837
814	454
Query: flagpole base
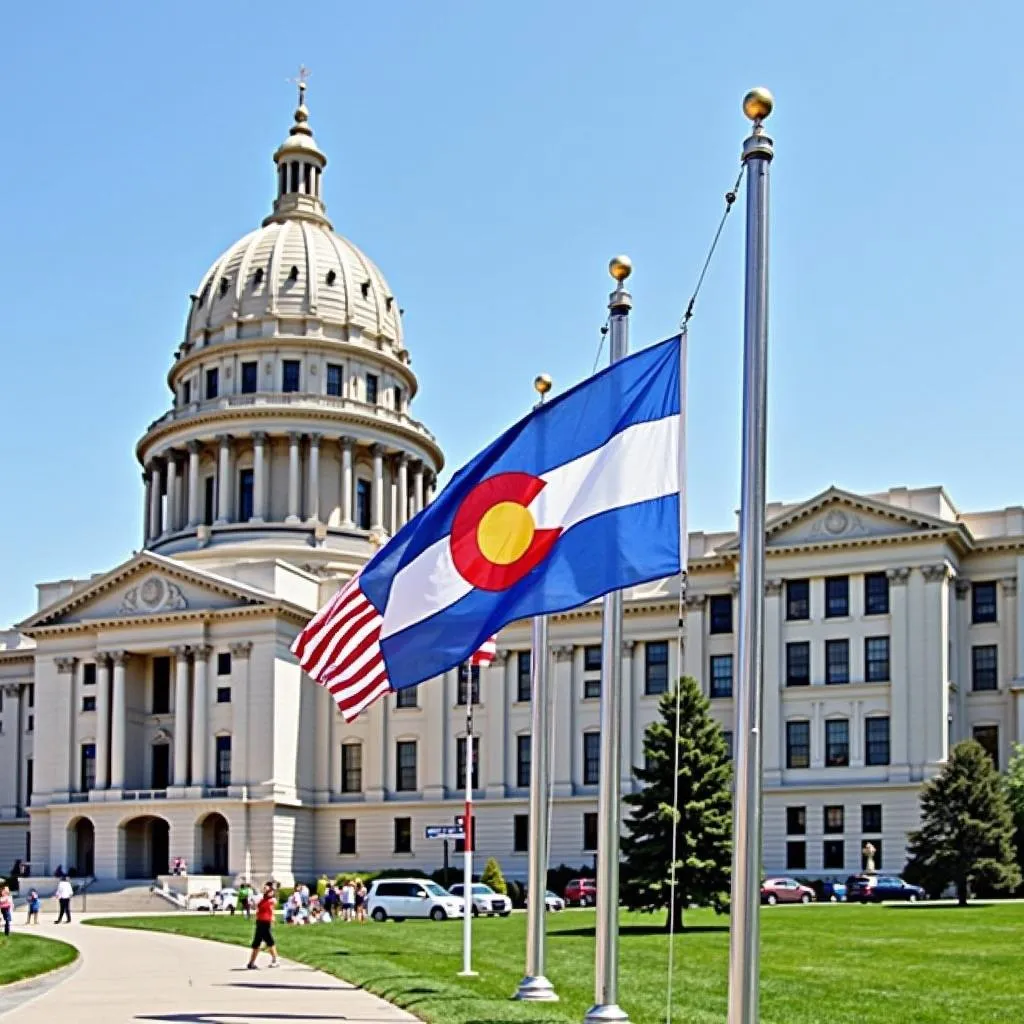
536	990
469	974
606	1013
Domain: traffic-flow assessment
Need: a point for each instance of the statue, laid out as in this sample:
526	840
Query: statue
869	857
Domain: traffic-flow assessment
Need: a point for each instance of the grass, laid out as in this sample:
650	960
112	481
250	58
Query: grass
825	964
24	956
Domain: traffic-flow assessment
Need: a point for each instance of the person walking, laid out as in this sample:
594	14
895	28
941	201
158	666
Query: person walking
244	895
33	907
6	905
64	894
360	901
263	936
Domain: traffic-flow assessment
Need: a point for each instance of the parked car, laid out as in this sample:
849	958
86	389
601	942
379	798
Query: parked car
581	892
879	888
399	898
551	901
785	890
834	892
485	900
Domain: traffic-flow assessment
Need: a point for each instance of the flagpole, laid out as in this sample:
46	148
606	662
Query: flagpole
535	986
606	952
744	940
467	842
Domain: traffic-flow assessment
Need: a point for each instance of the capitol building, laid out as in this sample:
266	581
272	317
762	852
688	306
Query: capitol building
155	711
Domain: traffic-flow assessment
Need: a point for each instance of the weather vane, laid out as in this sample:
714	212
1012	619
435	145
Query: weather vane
300	80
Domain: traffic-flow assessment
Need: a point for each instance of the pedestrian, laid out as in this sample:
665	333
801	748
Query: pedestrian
64	894
263	936
6	904
348	900
360	901
33	907
243	898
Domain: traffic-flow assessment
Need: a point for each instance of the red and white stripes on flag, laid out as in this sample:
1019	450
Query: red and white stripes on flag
340	649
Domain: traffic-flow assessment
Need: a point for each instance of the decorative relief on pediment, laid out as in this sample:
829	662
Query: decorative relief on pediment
837	523
154	594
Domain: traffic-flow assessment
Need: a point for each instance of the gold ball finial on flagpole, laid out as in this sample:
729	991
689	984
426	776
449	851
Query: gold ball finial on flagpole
758	103
542	384
620	267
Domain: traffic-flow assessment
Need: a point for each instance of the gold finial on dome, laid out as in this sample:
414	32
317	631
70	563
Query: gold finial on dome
620	267
301	111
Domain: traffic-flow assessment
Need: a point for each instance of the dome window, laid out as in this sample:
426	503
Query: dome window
388	301
224	286
293	274
257	278
365	286
331	277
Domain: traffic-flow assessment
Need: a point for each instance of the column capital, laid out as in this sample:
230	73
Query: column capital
772	588
241	649
963	588
180	651
1009	585
502	656
65	665
224	440
627	648
259	437
378	450
936	573
402	458
315	439
194	447
898	575
294	436
734	587
202	651
102	657
346	442
12	690
119	657
562	652
696	601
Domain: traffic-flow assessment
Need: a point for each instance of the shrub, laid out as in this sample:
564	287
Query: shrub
493	877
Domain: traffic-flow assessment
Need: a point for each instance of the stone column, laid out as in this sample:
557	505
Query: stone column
240	655
378	488
899	701
195	508
347	484
417	488
1013	669
333	749
146	532
431	486
403	489
104	682
934	698
200	714
313	500
324	704
1020	624
493	685
962	657
629	695
772	740
693	650
293	477
181	722
172	493
12	768
375	754
817	735
156	519
118	721
259	477
561	759
224	487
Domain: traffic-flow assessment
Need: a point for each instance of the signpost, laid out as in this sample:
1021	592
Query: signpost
446	832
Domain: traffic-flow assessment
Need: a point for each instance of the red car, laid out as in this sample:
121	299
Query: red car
581	892
785	890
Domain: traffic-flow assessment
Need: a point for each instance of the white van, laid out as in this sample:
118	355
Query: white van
399	898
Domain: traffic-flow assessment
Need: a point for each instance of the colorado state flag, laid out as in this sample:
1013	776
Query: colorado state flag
579	498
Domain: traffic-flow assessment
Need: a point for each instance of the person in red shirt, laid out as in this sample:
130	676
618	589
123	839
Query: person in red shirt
263	936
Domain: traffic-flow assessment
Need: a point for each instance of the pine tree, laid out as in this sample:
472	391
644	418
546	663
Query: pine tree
1013	785
703	823
493	877
966	833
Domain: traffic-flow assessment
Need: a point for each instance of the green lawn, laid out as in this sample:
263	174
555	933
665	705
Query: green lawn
24	956
821	965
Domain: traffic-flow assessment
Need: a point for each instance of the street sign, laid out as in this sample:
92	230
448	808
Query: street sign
444	832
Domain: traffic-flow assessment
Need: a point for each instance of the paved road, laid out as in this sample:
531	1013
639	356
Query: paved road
126	976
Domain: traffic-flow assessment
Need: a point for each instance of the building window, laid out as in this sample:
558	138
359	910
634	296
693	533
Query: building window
833	820
983	602
837	597
876	740
720	613
984	667
30	723
798	744
523	761
160	765
837	661
521	833
397	397
209	500
334	380
88	703
798	663
250	377
592	670
405	756
871	818
988	737
223	663
523	682
290	374
403	835
406	698
161	686
721	675
469	674
655	667
223	761
727	736
833	855
30	693
352	767
223	694
88	767
245	500
88	675
798	600
876	593
591	758
212	383
29	766
186	392
364	495
371	388
876	659
837	743
796	855
796	821
460	763
876	855
590	832
347	841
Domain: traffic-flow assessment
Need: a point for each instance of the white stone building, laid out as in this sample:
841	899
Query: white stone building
154	711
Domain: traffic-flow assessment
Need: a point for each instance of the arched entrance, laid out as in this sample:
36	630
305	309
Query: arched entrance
212	845
147	845
81	848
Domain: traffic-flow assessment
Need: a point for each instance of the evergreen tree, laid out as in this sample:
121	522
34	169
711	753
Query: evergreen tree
703	823
966	833
493	877
1014	787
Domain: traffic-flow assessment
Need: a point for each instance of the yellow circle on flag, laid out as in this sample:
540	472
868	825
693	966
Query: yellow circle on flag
505	532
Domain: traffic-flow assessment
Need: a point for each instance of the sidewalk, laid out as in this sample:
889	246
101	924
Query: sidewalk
128	976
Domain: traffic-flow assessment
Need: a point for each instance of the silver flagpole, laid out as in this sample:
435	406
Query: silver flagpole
535	986
468	832
744	941
606	952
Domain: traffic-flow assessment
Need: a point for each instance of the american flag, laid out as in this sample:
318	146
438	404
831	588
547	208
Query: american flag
340	648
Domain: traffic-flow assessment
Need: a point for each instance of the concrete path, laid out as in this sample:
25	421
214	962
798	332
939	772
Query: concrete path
126	976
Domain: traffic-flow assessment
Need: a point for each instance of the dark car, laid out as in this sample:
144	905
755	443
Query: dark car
879	888
581	892
785	890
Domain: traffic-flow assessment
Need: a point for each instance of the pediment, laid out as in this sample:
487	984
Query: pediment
147	585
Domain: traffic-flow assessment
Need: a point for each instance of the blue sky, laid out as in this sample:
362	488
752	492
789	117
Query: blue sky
491	157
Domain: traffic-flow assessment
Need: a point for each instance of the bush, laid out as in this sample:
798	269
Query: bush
516	893
283	895
321	886
493	877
